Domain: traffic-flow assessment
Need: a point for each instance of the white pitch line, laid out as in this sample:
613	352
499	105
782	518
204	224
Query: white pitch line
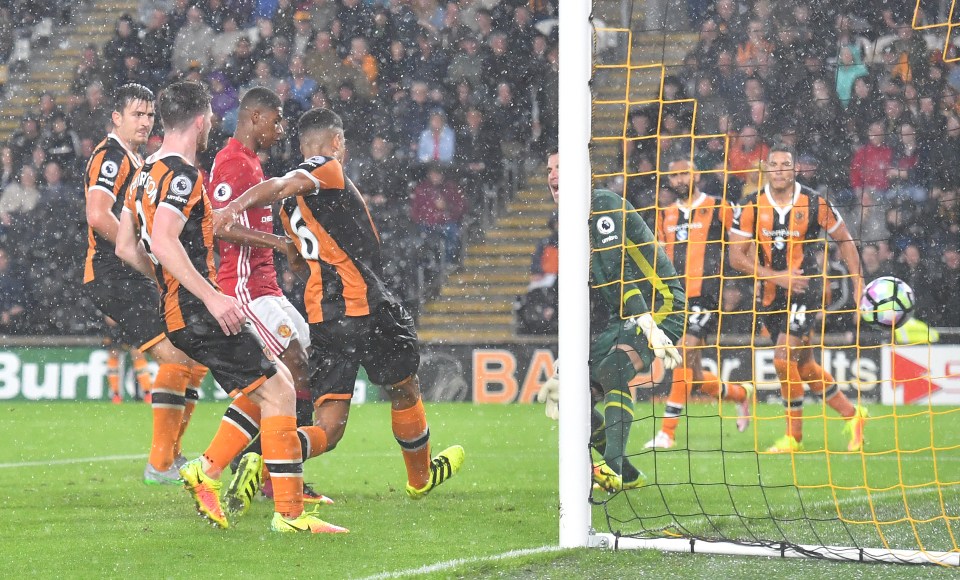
72	460
441	566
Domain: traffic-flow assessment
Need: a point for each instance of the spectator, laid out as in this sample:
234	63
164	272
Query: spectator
869	169
395	69
322	14
382	180
747	151
283	19
193	43
477	158
946	171
358	118
265	36
849	69
19	197
13	303
947	312
360	60
158	39
279	57
303	32
918	275
24	140
873	266
863	107
429	64
89	71
754	44
437	142
500	65
437	207
356	20
224	98
226	41
413	115
261	77
536	311
301	86
62	145
512	123
907	166
322	63
467	62
240	65
54	189
8	170
125	42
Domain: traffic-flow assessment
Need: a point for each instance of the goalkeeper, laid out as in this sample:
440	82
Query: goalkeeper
637	313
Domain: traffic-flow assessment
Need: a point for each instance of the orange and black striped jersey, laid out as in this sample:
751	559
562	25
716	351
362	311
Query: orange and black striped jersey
109	170
334	232
171	181
693	238
789	236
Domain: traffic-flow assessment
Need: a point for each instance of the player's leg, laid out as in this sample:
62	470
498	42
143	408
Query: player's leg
614	373
142	372
684	378
791	389
168	400
192	395
391	357
113	372
822	383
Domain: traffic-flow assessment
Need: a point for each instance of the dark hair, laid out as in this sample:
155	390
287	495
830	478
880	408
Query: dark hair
782	148
130	93
319	120
260	97
181	102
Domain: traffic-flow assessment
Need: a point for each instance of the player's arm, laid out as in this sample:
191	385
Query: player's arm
165	244
742	251
100	216
128	247
837	230
105	170
265	193
243	236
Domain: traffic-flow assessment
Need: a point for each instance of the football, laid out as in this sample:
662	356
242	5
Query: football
887	302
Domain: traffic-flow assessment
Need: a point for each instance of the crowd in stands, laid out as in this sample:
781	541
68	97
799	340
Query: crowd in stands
442	101
869	103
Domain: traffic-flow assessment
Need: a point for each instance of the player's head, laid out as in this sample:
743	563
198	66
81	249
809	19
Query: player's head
321	132
133	114
553	175
261	113
779	168
184	107
683	173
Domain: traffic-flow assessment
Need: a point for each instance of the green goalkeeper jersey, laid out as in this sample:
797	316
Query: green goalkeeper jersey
630	274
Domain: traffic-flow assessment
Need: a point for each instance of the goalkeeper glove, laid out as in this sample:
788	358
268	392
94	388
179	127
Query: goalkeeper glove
661	344
549	393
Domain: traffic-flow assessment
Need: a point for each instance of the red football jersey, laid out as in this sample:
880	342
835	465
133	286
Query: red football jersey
245	272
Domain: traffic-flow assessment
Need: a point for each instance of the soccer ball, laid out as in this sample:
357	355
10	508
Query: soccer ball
887	302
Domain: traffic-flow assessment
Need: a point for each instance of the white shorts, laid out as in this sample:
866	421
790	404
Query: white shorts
277	322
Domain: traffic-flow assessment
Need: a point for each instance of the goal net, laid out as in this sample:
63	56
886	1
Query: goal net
867	104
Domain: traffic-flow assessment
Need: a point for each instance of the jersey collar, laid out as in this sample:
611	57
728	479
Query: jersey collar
135	157
696	203
234	142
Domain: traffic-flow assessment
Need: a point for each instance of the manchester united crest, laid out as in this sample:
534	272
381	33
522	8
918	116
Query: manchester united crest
284	331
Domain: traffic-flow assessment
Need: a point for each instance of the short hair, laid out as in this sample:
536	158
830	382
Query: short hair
782	148
131	93
319	120
181	102
261	97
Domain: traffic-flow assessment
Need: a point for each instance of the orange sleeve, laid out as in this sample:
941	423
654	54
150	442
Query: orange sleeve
827	216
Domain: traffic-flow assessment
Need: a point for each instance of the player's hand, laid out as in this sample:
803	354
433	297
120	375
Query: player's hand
224	219
549	394
792	280
662	345
226	309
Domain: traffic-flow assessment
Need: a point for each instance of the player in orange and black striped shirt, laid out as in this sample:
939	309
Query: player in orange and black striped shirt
693	231
167	208
776	235
354	319
128	296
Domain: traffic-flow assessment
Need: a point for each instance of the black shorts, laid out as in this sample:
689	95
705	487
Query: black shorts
384	342
795	315
703	318
239	362
132	304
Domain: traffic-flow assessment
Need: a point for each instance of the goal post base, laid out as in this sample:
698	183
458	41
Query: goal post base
773	550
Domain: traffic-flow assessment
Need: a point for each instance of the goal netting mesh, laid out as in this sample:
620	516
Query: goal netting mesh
718	87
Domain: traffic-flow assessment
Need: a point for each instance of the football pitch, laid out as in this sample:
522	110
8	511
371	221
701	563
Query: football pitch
74	506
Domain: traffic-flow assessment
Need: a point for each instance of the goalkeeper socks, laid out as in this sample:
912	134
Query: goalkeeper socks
618	414
167	404
313	441
412	433
282	458
598	431
190	403
240	424
142	370
113	374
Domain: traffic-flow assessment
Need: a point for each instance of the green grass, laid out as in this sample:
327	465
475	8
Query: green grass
93	518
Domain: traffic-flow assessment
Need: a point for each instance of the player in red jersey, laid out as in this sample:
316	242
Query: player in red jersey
246	269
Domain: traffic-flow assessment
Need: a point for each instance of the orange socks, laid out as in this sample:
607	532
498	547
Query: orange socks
412	433
113	374
822	382
142	370
791	388
679	391
726	391
167	403
197	374
281	456
240	424
313	441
